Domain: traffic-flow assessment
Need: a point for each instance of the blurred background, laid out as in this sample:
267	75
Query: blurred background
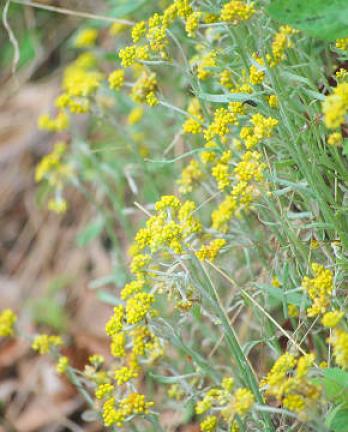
44	270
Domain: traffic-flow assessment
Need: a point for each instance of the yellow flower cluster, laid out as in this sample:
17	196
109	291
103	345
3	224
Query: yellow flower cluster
256	70
248	171
62	364
190	175
221	400
289	382
116	413
172	224
281	42
144	90
210	251
193	125
7	321
57	173
236	11
57	124
221	172
342	44
220	126
335	106
86	38
319	289
262	128
52	167
192	23
116	79
208	424
332	318
44	343
205	65
339	341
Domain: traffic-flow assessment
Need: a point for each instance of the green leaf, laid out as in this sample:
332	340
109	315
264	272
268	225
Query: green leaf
90	232
108	298
228	97
345	147
126	8
279	295
337	419
323	19
335	384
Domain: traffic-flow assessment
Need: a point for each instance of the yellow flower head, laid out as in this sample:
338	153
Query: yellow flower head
86	38
7	322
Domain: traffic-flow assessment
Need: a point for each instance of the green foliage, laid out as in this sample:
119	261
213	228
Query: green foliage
319	18
335	383
337	419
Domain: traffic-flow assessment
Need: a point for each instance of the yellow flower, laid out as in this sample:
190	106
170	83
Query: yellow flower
319	289
144	89
111	415
117	347
243	400
135	115
280	43
190	175
335	139
104	390
62	364
116	79
96	359
192	23
44	343
57	205
273	101
138	30
115	323
135	403
293	311
339	341
138	306
124	375
208	424
237	11
335	106
227	383
56	124
205	65
210	251
332	318
86	38
7	322
342	44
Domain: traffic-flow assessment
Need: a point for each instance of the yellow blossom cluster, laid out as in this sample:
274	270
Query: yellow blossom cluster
289	383
223	401
62	364
319	289
210	251
342	44
237	11
262	128
116	412
53	169
335	106
190	176
246	173
281	42
339	341
7	321
86	38
43	343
